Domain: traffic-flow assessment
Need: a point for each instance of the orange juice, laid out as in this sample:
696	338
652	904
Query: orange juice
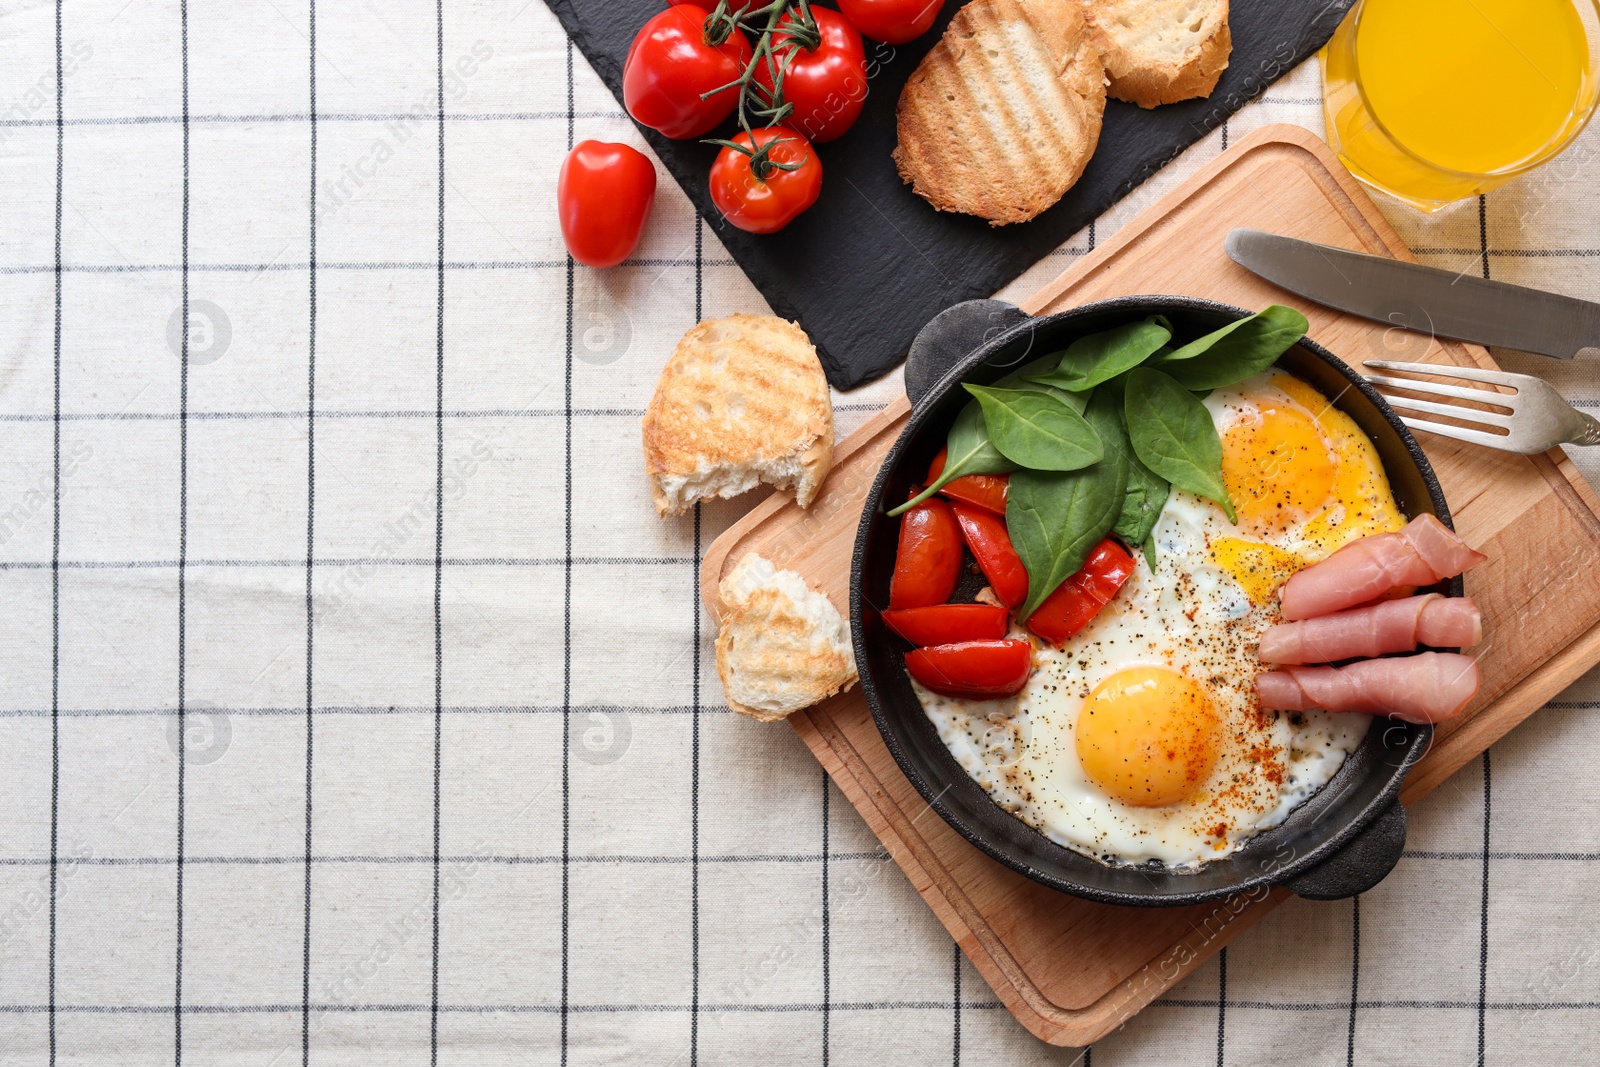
1434	100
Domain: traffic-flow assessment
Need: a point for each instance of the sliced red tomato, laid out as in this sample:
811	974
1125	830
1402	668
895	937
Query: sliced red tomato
946	624
986	535
1079	599
892	21
604	194
827	85
928	562
977	670
669	68
983	490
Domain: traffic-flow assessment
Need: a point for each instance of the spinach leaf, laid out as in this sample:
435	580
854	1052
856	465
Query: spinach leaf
1235	352
1099	357
1056	518
1037	430
1148	547
967	451
1147	491
1173	435
1021	379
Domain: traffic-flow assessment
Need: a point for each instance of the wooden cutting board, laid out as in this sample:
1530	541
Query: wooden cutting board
1070	970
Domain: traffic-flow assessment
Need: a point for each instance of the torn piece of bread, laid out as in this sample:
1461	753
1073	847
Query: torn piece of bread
781	646
1161	51
742	400
1001	117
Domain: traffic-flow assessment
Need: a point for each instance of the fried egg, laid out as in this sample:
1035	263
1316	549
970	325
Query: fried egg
1141	739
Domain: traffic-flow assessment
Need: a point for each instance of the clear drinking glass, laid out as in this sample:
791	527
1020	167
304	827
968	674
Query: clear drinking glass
1432	101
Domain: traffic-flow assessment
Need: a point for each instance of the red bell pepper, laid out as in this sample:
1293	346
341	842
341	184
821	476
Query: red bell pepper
978	670
928	563
945	624
987	491
1079	599
986	536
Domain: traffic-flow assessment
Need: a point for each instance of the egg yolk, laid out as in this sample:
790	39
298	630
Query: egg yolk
1148	736
1277	466
1259	569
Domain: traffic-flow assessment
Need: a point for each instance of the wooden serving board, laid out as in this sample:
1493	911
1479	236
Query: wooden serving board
1070	970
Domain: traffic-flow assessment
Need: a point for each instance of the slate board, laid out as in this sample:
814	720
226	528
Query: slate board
871	262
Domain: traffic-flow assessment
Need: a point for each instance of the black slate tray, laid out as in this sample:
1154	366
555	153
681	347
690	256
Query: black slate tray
866	267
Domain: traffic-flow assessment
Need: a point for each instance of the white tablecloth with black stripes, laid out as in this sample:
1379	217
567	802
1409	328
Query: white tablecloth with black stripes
456	783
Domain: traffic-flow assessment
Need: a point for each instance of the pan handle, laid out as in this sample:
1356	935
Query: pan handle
1361	864
951	336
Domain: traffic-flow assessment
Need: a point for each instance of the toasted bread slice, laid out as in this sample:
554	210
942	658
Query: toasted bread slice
1001	117
742	400
781	646
1161	51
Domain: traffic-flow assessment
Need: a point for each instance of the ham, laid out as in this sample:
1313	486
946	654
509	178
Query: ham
1427	687
1375	630
1426	551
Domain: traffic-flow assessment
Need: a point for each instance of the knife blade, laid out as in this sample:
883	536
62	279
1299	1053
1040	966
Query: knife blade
1424	299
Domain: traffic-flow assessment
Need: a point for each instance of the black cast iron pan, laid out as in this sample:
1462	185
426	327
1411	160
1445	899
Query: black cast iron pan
1340	842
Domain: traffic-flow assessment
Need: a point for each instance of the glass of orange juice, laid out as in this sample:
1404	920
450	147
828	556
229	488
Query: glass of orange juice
1432	101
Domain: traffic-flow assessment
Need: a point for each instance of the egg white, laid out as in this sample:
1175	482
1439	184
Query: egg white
1189	615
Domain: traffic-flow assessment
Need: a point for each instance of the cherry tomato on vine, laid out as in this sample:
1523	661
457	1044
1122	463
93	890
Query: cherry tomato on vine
604	194
827	84
768	202
891	21
670	64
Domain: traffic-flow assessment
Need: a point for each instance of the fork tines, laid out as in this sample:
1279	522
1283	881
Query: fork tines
1498	420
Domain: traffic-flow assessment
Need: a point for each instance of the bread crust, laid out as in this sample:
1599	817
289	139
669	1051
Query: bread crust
1151	81
742	399
1002	115
781	646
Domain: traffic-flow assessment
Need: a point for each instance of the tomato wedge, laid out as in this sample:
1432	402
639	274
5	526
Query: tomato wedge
928	563
946	624
978	670
983	490
1079	599
985	534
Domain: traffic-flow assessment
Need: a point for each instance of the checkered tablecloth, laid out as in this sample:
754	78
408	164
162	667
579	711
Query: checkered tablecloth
356	708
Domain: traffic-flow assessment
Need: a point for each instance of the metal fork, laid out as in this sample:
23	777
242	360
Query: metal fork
1538	419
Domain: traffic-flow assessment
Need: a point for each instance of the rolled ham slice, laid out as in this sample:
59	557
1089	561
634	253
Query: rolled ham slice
1426	551
1375	630
1427	687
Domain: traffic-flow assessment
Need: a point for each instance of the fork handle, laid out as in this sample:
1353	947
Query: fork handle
1590	434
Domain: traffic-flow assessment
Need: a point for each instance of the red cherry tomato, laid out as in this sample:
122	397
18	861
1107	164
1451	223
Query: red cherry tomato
985	534
928	563
766	205
670	64
1079	599
986	491
604	193
945	624
978	670
891	21
828	84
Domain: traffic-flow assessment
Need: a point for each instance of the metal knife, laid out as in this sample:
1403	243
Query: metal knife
1424	299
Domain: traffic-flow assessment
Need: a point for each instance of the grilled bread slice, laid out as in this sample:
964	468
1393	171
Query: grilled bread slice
781	646
742	400
1001	117
1161	51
